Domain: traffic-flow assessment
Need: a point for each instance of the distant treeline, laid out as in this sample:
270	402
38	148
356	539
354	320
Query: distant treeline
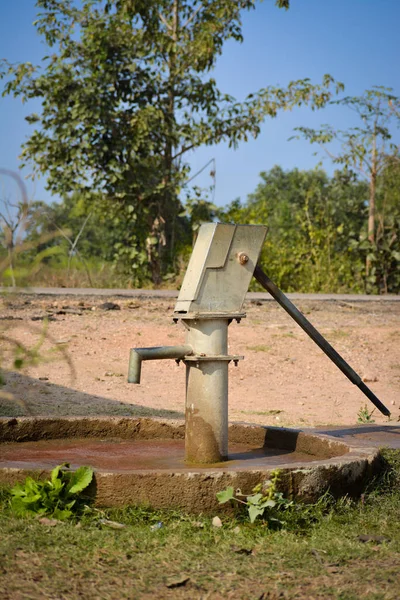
317	239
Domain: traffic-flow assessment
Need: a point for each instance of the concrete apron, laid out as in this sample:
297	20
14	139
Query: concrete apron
141	460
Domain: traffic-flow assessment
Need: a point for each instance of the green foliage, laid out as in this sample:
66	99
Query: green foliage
265	501
364	148
318	553
57	497
369	150
198	210
365	415
314	226
126	91
385	250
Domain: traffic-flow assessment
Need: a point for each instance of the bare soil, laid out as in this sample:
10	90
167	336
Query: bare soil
285	379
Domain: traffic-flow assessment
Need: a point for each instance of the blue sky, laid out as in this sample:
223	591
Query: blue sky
356	41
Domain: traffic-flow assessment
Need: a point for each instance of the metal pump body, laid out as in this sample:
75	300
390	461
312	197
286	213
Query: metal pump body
222	264
212	295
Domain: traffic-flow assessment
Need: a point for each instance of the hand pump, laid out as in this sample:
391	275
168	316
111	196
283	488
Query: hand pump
223	261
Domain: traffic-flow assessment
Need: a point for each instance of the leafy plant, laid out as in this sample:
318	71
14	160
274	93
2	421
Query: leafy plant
364	415
369	150
312	220
265	501
57	497
138	79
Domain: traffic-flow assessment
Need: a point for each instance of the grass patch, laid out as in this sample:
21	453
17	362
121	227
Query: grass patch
259	348
289	334
394	334
337	334
263	413
317	554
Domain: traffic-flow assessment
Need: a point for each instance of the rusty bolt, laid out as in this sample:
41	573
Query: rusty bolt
243	258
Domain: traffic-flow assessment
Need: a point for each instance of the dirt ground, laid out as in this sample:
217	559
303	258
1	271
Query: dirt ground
285	379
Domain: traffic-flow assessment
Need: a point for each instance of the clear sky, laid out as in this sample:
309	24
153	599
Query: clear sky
356	41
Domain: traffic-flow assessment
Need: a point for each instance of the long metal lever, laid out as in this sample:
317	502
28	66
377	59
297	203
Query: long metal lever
325	346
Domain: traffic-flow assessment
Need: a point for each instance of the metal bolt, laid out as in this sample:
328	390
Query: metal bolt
235	363
243	258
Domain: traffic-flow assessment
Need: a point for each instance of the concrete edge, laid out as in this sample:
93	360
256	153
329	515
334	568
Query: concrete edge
345	473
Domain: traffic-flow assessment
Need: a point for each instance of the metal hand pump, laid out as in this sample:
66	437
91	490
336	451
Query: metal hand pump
310	330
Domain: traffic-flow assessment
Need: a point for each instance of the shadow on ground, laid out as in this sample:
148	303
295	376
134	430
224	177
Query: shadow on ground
366	435
26	396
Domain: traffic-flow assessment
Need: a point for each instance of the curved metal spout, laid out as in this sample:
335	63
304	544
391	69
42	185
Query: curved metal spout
159	352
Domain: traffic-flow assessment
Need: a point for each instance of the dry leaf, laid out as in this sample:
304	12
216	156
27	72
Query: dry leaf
175	583
112	524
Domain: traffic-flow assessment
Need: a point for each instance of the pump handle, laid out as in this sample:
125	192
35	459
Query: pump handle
325	346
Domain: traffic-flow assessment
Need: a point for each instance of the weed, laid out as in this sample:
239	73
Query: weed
263	413
261	503
364	415
57	497
318	553
259	348
289	334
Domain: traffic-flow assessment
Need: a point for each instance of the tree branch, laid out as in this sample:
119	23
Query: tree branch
192	16
165	22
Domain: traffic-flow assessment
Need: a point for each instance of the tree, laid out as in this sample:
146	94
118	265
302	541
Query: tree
126	93
313	223
366	148
387	256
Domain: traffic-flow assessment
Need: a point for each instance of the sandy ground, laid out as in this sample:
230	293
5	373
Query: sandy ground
285	379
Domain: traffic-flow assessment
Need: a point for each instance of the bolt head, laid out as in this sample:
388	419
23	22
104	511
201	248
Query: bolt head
243	258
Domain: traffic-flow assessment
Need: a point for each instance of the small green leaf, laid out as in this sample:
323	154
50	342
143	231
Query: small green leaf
56	472
225	495
254	499
254	512
268	504
80	480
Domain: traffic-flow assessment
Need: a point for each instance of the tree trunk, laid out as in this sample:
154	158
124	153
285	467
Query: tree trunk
371	207
371	211
167	210
11	259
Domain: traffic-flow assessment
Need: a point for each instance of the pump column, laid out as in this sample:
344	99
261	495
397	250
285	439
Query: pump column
206	433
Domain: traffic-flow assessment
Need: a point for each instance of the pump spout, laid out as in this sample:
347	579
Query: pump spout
160	352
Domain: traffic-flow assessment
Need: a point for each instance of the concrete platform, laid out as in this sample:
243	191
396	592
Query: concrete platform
371	435
140	460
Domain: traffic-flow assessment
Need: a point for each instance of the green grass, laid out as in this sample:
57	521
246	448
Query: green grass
259	348
317	554
264	413
289	334
337	334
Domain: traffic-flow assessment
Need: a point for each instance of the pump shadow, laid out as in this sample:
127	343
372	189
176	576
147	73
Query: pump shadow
272	442
34	397
366	435
290	444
